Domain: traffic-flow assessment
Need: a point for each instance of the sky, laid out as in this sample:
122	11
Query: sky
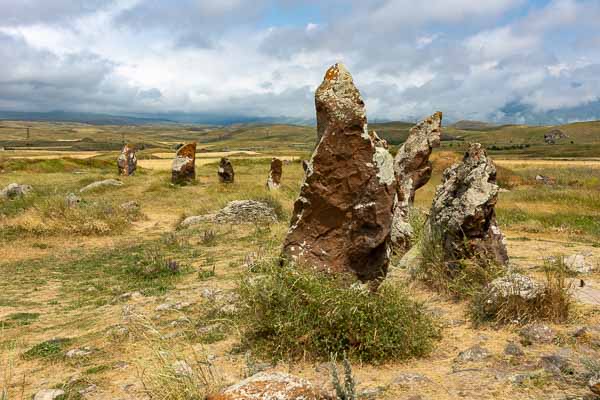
493	60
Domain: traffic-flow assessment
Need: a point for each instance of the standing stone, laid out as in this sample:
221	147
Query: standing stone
342	218
127	161
274	180
184	164
463	210
413	170
226	174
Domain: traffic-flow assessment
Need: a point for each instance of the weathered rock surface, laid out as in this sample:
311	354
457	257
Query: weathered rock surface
274	180
72	200
225	171
184	164
342	218
536	333
475	353
14	190
127	161
413	170
463	210
101	184
514	284
272	386
237	211
578	263
513	349
48	394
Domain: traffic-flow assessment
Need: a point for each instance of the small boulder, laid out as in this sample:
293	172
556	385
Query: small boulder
130	206
511	287
578	263
101	184
272	386
475	353
14	190
513	349
49	394
78	353
237	212
184	165
127	161
72	200
274	179
225	171
545	180
536	333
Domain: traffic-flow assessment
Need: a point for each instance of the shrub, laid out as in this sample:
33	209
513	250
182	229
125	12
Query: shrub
457	278
552	304
295	312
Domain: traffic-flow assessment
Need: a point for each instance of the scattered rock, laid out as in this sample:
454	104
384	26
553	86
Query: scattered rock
410	378
130	206
127	161
554	364
513	349
225	171
274	180
181	305
413	170
88	389
184	164
48	394
14	190
77	353
578	263
554	136
545	180
475	353
511	287
182	369
463	210
272	386
101	184
236	212
72	200
342	218
536	333
594	385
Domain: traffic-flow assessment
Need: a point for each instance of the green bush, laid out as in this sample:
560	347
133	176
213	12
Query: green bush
292	312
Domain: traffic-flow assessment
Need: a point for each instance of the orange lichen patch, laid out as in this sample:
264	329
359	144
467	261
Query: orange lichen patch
332	73
188	150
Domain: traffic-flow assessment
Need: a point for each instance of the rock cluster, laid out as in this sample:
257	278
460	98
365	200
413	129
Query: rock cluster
101	184
274	179
184	164
554	136
413	170
225	171
14	190
236	212
272	386
463	210
342	218
127	161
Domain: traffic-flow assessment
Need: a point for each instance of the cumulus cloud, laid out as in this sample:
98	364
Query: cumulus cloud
474	60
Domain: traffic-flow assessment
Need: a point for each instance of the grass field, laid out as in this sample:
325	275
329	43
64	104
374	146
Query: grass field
136	294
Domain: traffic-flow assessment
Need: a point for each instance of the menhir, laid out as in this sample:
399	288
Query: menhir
225	171
413	170
463	211
342	218
274	179
127	161
184	164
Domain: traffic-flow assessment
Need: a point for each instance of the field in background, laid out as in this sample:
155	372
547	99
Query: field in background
92	278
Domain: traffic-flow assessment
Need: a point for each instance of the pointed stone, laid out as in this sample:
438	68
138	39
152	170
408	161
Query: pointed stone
342	218
127	161
413	170
225	172
274	180
184	164
463	210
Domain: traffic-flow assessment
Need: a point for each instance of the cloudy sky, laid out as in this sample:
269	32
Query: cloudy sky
488	60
